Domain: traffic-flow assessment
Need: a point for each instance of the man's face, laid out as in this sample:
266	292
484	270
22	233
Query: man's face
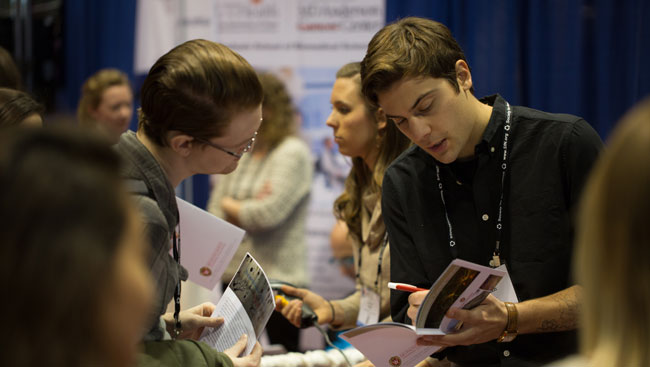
433	115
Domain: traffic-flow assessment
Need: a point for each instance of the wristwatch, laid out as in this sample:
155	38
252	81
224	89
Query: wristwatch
510	333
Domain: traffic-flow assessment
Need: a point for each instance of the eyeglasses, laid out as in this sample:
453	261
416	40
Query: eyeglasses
246	149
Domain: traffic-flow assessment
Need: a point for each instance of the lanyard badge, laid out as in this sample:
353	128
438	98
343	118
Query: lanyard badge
496	255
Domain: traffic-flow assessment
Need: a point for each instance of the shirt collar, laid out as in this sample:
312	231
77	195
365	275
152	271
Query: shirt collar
490	136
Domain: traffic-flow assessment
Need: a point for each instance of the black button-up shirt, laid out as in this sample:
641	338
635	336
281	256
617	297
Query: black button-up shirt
550	156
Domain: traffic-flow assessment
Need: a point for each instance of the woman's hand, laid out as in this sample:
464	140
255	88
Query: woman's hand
193	321
293	310
252	360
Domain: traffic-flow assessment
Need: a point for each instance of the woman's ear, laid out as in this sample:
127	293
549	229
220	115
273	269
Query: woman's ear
380	115
92	112
181	143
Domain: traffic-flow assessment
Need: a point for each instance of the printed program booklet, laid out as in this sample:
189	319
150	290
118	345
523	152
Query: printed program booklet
462	285
246	306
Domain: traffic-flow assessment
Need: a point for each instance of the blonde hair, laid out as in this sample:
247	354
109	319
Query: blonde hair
391	142
279	114
613	248
93	89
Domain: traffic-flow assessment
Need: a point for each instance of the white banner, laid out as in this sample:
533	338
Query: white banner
304	42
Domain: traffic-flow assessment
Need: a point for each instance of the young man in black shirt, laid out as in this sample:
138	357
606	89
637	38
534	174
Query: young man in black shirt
486	182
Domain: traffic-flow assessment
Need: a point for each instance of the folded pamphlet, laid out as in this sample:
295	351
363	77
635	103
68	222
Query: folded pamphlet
246	306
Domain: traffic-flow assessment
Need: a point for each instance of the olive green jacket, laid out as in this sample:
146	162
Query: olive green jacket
177	353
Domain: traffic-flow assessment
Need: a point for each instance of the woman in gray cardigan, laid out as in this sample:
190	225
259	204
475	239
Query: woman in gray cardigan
201	109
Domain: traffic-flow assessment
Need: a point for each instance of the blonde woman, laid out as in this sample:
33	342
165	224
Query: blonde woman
613	250
363	134
106	103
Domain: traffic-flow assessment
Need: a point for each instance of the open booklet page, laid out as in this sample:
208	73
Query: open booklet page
462	285
389	344
209	243
246	306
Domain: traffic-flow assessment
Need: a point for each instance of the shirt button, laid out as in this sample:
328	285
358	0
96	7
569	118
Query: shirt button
458	182
485	217
492	149
506	353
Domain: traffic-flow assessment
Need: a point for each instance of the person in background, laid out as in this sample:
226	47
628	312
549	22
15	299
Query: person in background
19	109
361	133
486	182
72	253
9	73
106	103
612	258
201	109
268	196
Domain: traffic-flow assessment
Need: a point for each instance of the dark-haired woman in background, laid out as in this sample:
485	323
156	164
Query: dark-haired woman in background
78	292
18	108
268	197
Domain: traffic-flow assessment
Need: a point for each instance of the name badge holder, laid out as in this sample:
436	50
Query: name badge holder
370	303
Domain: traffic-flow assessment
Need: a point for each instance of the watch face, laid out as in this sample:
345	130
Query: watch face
395	361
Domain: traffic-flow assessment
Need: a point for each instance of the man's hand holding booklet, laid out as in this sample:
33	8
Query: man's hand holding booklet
462	285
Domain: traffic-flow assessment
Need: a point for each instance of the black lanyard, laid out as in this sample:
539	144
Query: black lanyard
496	260
381	257
176	249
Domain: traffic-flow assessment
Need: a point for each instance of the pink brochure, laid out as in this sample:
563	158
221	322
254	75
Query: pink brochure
208	244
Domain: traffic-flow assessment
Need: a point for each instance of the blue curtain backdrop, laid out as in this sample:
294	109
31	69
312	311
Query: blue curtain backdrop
589	58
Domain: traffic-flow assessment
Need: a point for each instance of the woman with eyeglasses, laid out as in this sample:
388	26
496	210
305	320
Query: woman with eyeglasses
268	196
201	108
363	134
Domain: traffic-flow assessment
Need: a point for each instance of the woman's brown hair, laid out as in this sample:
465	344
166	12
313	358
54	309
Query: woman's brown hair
16	106
391	143
277	110
64	212
195	89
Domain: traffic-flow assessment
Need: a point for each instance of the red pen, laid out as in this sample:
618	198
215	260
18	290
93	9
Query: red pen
405	287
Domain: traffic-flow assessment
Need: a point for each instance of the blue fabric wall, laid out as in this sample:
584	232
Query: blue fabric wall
581	57
589	58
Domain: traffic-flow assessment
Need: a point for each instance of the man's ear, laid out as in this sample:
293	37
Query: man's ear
181	143
463	75
380	115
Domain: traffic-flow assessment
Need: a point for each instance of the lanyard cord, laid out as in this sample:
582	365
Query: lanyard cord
384	243
176	249
496	260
